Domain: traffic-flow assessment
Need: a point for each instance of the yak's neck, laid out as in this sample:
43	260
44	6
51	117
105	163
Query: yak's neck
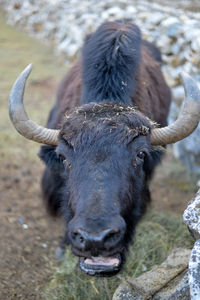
111	58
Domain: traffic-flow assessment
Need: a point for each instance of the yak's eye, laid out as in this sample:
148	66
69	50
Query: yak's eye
141	154
66	163
62	157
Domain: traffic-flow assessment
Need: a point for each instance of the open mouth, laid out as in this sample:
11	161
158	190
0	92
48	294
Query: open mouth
100	266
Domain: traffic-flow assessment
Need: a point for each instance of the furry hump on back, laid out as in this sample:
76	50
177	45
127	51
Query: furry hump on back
111	57
116	65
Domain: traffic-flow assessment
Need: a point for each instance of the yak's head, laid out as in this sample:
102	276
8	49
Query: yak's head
105	155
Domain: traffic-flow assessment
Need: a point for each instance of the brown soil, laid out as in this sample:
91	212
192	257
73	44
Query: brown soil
26	253
28	237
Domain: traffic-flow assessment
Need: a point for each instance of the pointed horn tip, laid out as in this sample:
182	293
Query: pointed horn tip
13	100
30	66
187	79
191	86
28	69
26	72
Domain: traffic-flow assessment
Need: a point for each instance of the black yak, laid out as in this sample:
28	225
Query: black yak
101	141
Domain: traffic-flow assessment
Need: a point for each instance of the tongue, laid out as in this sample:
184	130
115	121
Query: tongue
102	261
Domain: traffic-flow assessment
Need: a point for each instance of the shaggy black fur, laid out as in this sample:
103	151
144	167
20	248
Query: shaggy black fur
97	177
110	63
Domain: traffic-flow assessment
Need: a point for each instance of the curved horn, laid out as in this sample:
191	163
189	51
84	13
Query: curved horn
187	120
20	119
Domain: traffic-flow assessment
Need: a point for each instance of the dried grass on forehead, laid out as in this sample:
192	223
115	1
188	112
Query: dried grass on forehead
105	121
104	109
111	114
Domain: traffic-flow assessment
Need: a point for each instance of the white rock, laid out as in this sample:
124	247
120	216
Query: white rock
131	10
175	49
174	30
169	21
164	42
157	18
178	94
196	44
191	33
25	226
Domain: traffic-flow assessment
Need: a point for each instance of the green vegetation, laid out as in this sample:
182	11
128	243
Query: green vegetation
155	237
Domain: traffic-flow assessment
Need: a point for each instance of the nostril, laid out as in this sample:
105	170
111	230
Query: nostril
81	239
78	239
111	235
112	238
105	239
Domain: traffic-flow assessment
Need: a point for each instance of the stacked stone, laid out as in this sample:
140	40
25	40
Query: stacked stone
66	23
175	31
192	219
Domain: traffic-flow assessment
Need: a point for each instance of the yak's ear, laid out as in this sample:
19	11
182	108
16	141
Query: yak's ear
49	156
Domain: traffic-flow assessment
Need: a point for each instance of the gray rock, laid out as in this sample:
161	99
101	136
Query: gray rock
158	281
194	272
177	289
157	18
191	217
196	44
171	20
178	95
164	42
173	113
125	293
174	30
191	32
175	48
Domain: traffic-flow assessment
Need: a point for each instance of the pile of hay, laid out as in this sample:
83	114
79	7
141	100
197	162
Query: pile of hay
156	236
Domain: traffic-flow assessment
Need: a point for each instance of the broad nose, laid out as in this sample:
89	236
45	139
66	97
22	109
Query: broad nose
103	240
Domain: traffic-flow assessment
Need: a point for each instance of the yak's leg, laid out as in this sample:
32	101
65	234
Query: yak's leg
60	251
52	183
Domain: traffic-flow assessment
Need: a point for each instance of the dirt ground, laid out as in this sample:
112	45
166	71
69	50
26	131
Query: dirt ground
28	238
